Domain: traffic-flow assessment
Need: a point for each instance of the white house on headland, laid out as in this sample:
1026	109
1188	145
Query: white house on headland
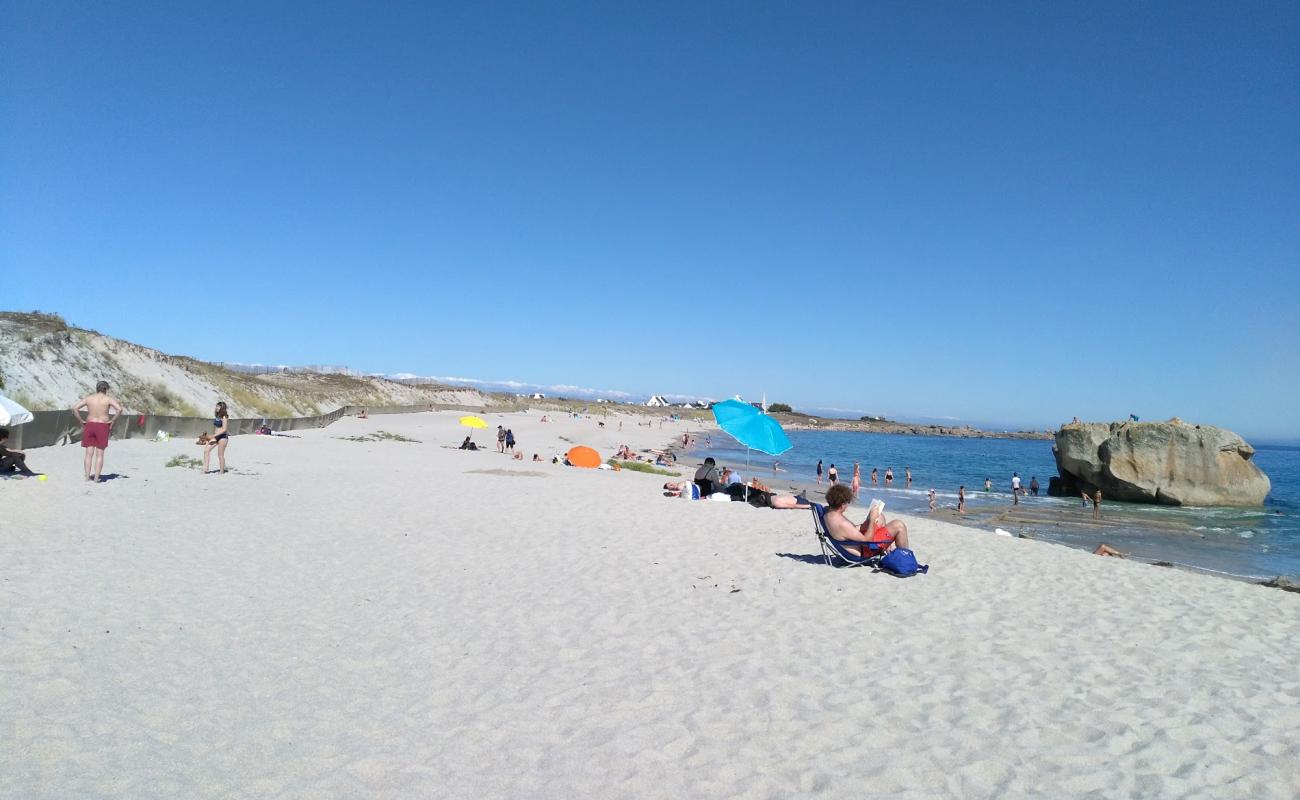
657	401
538	396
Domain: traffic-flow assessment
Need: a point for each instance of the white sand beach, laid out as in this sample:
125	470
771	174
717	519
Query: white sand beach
394	619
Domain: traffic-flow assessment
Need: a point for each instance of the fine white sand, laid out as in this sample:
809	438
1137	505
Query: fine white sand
388	619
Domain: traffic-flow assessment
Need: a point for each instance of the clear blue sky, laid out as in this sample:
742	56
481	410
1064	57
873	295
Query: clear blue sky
1013	213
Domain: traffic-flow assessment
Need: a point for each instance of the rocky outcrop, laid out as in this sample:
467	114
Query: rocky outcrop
1171	463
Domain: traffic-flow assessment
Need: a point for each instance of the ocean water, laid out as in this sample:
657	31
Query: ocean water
1247	542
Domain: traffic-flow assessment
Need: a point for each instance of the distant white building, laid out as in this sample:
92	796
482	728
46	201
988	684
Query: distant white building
537	396
658	401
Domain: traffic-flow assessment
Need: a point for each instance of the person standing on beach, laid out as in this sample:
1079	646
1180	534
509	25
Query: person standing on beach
875	477
220	438
1033	486
961	500
988	484
889	476
101	411
832	475
907	476
819	472
1015	483
934	503
501	439
510	440
1096	505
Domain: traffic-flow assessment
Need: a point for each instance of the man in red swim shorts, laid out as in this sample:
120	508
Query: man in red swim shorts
101	409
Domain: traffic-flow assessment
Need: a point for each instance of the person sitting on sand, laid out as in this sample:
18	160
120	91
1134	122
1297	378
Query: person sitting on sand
12	460
1104	549
536	457
518	456
707	477
876	535
468	444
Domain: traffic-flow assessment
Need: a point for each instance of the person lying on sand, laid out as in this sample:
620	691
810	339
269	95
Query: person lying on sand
876	535
757	498
1106	550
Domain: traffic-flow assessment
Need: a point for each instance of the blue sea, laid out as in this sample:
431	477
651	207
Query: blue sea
1246	542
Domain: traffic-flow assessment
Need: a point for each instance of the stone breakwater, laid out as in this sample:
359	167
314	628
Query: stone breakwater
1169	463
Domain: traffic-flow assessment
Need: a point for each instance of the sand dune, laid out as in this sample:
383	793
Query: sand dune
388	619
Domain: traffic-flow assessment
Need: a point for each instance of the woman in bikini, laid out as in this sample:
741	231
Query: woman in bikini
220	437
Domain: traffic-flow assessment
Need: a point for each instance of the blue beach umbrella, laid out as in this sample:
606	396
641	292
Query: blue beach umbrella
752	428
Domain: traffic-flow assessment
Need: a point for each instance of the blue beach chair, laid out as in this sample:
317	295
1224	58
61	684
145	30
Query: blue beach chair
833	550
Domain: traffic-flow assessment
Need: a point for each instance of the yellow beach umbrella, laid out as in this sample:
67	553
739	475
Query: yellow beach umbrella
471	423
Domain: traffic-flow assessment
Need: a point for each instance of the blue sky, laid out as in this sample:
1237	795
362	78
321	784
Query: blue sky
1014	213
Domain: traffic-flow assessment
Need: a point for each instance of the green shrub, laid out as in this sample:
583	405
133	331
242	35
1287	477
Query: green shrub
641	466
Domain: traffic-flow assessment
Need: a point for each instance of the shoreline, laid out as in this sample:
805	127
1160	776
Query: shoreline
1033	520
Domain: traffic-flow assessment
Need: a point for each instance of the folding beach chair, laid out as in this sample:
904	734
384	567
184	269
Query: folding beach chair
832	550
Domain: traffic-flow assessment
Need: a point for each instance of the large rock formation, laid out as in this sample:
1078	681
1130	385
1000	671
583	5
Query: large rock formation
1172	463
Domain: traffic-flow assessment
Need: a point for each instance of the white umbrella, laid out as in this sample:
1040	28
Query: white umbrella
13	414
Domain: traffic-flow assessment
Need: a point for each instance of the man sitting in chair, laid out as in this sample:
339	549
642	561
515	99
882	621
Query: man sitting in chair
873	537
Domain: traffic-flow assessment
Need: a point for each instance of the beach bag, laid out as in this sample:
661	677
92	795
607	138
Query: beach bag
902	562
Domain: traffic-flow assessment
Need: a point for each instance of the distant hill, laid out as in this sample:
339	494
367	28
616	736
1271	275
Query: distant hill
46	363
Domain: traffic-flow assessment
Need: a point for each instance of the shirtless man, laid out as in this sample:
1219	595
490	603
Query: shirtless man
101	409
875	536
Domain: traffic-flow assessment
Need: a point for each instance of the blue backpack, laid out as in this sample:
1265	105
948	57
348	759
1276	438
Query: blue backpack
902	562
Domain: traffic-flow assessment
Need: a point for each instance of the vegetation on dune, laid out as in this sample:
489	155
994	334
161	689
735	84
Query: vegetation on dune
156	398
30	403
641	466
780	408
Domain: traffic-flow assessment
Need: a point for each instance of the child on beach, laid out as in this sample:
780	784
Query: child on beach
819	471
12	460
1096	505
907	476
933	500
961	500
875	480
